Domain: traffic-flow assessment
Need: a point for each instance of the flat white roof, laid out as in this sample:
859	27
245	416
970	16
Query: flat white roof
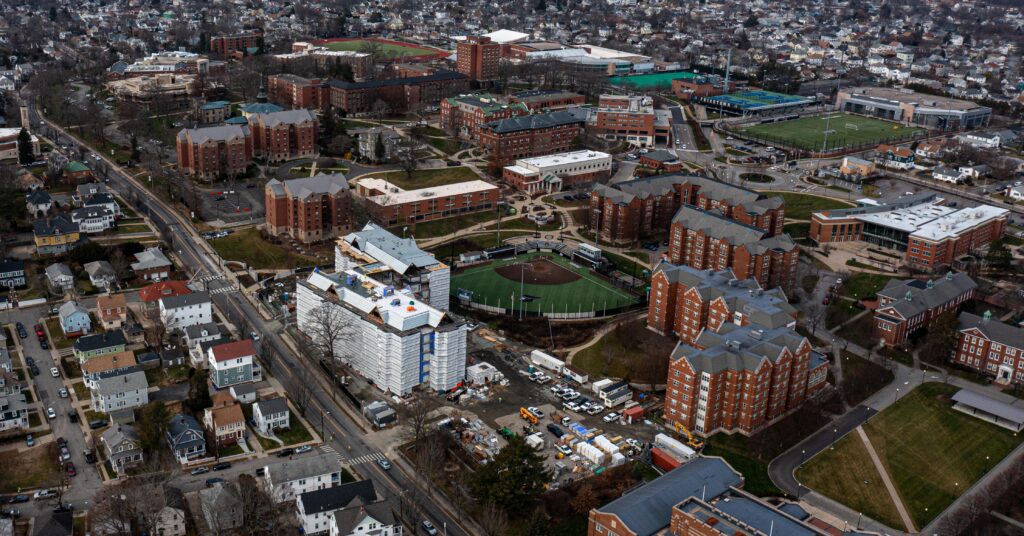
958	222
398	196
397	307
521	170
540	162
506	36
908	219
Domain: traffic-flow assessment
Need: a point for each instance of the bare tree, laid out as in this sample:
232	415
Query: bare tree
326	327
814	314
259	510
130	506
493	520
415	413
407	157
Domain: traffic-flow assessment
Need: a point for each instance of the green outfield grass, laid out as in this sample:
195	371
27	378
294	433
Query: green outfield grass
844	130
589	293
388	50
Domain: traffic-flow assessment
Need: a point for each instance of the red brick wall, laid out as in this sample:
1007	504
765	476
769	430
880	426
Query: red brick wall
434	208
504	149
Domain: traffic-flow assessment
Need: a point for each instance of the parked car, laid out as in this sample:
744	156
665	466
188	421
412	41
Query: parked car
215	480
303	448
200	470
566	421
384	464
611	417
284	453
595	409
221	466
10	512
20	328
18	499
73	416
261	471
65	454
70	468
536	412
429	527
90	456
50	414
62	443
63	393
55	372
40	332
43	344
43	494
98	423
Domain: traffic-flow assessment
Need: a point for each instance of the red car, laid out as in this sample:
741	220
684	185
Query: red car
827	299
70	468
39	330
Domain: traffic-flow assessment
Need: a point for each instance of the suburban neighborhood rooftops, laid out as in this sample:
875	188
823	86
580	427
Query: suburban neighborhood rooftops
98	341
274	405
233	350
303	467
334	498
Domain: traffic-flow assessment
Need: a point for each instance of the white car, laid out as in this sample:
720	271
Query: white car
54	372
43	493
611	417
634	443
50	414
63	393
596	409
536	412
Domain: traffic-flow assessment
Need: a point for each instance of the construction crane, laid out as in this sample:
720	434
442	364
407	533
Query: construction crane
690	439
528	415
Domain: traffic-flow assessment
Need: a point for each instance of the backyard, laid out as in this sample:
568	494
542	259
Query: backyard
246	245
35	467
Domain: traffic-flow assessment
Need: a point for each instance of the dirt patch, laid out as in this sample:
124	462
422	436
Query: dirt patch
538	271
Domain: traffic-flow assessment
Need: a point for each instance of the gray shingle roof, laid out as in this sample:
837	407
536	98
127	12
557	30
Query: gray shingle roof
150	258
316	185
536	121
288	117
994	330
734	347
715	225
913	296
337	497
97	341
218	133
133	381
648	509
350	518
272	406
303	467
173	302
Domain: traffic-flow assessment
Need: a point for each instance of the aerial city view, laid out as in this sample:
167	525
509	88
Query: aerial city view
535	268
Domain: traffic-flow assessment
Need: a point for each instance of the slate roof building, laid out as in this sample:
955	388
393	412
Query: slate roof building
907	306
990	346
310	209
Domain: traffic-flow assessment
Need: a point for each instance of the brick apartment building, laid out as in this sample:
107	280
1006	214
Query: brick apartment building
210	152
464	114
741	378
629	211
533	135
399	94
292	91
990	346
390	205
477	57
540	100
632	119
286	135
226	45
700	86
309	210
306	54
907	306
686	301
929	234
556	172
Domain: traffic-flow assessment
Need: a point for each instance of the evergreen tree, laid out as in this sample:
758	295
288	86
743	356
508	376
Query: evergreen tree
329	126
998	256
513	479
378	148
541	6
152	424
25	154
135	148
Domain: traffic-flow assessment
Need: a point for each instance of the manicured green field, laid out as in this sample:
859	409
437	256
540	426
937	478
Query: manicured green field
932	452
388	50
843	130
589	293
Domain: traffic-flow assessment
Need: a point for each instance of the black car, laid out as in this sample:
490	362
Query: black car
21	330
221	466
18	499
90	457
73	416
284	453
214	480
30	360
62	443
63	507
43	344
261	471
12	513
554	429
98	423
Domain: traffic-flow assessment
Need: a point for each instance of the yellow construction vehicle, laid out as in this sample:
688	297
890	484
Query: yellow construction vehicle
690	439
528	415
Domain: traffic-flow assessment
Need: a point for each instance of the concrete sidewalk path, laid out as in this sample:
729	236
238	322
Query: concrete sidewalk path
909	523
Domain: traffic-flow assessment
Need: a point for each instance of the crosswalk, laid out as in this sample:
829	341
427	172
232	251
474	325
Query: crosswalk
222	290
365	458
210	277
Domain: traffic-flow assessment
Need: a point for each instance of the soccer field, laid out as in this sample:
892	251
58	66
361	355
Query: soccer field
588	293
844	130
388	50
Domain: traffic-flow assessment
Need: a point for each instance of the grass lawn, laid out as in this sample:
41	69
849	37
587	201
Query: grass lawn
839	311
33	469
860	487
797	230
246	245
133	228
754	471
425	178
860	331
224	452
91	415
445	145
296	434
588	293
614	354
387	50
800	206
862	378
81	391
435	228
34	419
525	224
57	334
835	130
861	285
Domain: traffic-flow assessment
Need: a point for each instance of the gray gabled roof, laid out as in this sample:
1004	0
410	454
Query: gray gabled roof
58	269
992	406
115	435
715	225
337	497
99	269
272	406
737	348
993	330
304	467
536	121
133	381
218	133
913	296
97	341
287	117
70	308
350	518
648	509
178	426
309	186
183	300
150	258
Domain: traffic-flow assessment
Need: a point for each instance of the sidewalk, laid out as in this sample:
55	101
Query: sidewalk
880	468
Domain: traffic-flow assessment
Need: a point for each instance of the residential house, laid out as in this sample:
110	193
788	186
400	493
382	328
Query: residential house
894	157
101	274
60	277
377	518
243	392
13	412
170	521
152	265
1015	192
92	219
185	438
120	392
112	310
108	363
271	414
77	173
226	423
931	149
99	344
992	347
233	363
288	480
180	312
123	447
316	508
222	509
38	203
12	273
198	334
976	171
989	140
74	319
907	306
105	200
172	357
56	235
150	295
83	191
947	174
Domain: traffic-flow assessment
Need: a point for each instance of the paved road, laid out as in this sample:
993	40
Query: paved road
345	436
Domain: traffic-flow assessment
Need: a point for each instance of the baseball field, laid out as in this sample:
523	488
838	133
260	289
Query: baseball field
539	282
833	131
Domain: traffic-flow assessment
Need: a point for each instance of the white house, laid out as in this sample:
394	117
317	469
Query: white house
103	200
974	172
180	312
986	140
316	508
271	414
38	201
288	480
377	519
946	174
195	336
1015	192
119	392
92	219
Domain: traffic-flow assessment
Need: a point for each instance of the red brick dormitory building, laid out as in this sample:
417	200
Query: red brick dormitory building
905	307
210	152
226	45
532	135
310	209
477	57
292	91
990	346
285	135
400	94
464	114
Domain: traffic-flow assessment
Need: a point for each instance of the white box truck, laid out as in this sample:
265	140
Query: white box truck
546	361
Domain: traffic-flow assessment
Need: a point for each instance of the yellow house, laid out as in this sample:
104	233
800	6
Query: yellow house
56	235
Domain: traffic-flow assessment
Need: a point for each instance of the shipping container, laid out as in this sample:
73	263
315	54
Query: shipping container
674	448
663	461
549	362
